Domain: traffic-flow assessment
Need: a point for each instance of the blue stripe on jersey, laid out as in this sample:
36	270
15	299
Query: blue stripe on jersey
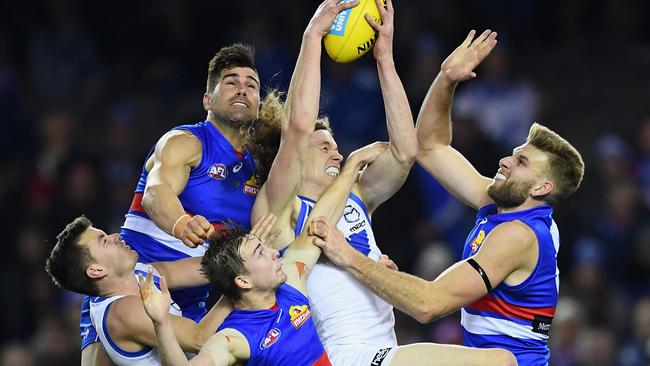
124	353
358	241
86	328
529	352
498	316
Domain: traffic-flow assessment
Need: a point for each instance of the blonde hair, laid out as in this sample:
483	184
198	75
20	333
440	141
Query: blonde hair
565	163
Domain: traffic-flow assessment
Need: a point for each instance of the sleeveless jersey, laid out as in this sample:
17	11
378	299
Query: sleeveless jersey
517	318
221	188
345	311
282	336
99	308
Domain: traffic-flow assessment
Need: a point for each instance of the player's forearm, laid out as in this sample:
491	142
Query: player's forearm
162	205
303	97
213	319
182	273
434	119
399	120
169	350
406	292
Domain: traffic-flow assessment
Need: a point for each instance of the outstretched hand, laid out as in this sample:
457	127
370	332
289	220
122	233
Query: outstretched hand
156	303
324	16
460	65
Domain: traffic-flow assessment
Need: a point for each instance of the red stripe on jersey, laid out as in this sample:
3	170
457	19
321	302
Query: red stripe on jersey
323	360
498	306
136	203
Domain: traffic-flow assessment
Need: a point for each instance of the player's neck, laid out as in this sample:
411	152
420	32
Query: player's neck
229	131
311	190
528	204
121	286
256	300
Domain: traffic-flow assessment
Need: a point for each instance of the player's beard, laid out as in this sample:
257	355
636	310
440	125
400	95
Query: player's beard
509	194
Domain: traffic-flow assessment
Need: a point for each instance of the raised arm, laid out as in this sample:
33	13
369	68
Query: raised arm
301	255
387	174
301	111
434	129
175	155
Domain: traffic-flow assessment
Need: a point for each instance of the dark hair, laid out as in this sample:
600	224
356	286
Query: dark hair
222	262
68	261
236	55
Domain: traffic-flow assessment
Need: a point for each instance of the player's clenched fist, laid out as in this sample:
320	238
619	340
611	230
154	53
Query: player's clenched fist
192	230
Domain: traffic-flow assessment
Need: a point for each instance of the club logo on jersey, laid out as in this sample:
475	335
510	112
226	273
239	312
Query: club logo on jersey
251	186
237	167
299	315
218	172
271	337
478	241
350	214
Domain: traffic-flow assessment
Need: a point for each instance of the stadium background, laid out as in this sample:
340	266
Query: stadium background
86	88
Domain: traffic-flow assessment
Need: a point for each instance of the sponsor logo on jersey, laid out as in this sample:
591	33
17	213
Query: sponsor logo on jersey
358	226
350	214
338	27
237	167
251	186
299	314
379	357
542	324
218	172
477	241
271	337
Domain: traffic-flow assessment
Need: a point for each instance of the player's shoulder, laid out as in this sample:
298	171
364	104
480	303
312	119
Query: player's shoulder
515	232
178	138
124	311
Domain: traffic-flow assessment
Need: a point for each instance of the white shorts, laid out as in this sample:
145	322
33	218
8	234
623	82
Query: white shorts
360	355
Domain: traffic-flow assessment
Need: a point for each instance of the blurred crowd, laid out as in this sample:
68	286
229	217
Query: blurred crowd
87	88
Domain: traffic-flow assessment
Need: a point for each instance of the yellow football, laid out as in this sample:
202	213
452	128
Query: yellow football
351	36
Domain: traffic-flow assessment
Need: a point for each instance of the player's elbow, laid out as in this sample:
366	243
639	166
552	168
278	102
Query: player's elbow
148	198
405	155
425	313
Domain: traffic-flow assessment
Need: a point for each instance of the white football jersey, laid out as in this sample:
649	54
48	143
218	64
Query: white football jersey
345	311
99	307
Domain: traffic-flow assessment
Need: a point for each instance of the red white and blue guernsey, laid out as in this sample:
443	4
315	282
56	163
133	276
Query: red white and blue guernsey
99	308
284	335
222	187
517	318
346	312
